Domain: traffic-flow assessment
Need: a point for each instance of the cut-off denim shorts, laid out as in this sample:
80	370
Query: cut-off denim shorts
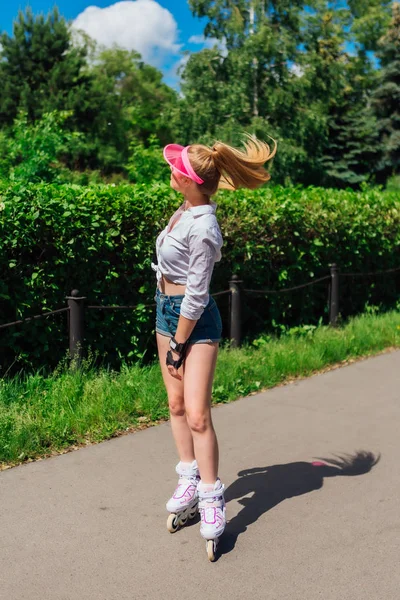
208	328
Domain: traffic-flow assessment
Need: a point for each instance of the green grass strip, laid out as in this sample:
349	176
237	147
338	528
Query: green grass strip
40	416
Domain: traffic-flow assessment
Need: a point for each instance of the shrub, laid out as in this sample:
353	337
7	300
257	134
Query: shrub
100	240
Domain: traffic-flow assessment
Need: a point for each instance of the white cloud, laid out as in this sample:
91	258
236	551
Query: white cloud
141	25
209	43
200	39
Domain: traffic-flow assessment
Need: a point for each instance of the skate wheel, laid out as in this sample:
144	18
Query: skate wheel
211	550
193	512
172	523
182	521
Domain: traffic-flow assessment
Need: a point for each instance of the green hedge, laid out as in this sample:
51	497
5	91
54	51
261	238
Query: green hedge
100	240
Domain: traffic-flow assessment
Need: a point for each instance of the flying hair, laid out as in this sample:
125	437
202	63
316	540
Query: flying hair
225	167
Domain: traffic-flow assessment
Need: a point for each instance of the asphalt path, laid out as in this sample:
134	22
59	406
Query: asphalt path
91	524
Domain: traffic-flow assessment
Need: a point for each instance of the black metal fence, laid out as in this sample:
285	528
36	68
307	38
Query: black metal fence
76	307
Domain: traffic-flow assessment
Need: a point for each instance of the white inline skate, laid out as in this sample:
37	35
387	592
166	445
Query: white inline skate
184	503
212	514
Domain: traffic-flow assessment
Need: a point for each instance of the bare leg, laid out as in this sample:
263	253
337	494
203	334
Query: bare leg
175	390
199	370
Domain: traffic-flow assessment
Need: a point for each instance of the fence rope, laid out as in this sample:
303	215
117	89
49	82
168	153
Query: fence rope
368	274
283	290
102	307
297	287
48	314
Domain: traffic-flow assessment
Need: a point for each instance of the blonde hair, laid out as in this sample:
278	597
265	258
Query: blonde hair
223	166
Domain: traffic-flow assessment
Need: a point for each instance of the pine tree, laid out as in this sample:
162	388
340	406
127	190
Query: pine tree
353	148
40	69
342	81
386	98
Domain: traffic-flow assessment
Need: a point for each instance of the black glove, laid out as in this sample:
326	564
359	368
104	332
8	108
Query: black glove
180	349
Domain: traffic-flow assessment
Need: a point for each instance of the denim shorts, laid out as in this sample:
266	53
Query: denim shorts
207	329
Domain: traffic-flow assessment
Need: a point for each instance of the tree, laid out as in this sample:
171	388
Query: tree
288	72
369	21
386	98
135	89
40	69
352	151
34	149
342	82
264	34
113	98
133	104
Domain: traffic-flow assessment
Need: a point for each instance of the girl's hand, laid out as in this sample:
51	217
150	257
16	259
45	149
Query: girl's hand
172	371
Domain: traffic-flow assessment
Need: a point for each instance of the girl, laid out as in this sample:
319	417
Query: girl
188	323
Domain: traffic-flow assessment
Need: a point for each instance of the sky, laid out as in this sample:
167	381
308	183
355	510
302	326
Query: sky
161	30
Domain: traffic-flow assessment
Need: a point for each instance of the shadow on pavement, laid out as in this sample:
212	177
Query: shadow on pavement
271	485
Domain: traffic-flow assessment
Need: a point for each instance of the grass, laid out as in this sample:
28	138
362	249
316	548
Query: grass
41	416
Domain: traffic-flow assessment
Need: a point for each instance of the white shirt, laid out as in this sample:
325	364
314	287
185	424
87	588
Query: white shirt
187	252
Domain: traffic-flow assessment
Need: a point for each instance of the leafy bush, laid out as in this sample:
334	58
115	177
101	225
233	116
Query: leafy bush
33	150
5	159
393	184
100	240
146	164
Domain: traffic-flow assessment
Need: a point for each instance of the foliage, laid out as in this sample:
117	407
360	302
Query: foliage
146	164
386	98
353	151
284	69
5	159
41	70
34	149
393	184
133	106
303	72
114	99
100	240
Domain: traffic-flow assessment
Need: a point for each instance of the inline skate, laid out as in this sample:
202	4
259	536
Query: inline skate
184	503
212	515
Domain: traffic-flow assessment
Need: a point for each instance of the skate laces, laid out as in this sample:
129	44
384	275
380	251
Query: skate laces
211	495
190	475
211	502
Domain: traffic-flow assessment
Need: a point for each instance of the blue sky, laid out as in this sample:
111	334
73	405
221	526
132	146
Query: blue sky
161	42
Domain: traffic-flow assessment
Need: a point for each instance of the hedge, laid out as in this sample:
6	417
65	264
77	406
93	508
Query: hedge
100	240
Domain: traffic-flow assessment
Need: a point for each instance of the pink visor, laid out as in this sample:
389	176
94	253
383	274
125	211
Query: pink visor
177	157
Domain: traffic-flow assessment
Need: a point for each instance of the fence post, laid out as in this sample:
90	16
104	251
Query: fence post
334	295
235	318
76	304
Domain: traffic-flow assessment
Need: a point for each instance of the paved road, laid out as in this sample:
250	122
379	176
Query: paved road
91	525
